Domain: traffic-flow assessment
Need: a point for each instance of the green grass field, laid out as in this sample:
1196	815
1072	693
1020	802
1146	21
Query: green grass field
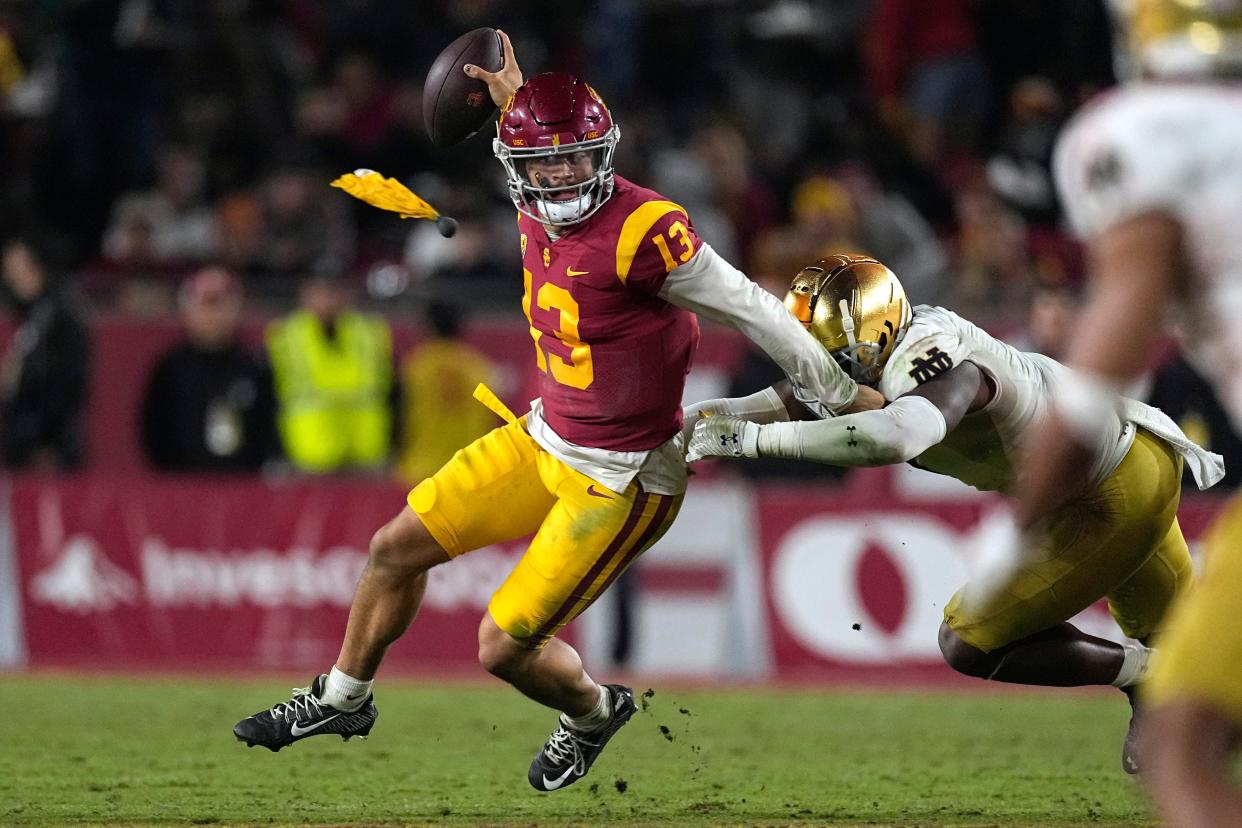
106	751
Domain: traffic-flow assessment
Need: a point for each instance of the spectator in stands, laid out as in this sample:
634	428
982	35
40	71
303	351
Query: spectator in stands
895	232
925	71
367	101
306	229
169	224
241	232
1020	169
45	368
332	368
994	269
439	412
825	218
1050	321
737	190
208	404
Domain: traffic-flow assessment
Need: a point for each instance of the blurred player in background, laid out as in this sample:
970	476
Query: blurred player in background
959	404
438	414
1151	177
614	274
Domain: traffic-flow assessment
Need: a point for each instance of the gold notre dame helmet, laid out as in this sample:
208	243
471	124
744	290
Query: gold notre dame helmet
855	307
1170	38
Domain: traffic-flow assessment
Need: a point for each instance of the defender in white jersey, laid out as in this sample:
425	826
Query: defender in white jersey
959	404
1151	177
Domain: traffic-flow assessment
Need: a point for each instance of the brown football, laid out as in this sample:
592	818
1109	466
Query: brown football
456	106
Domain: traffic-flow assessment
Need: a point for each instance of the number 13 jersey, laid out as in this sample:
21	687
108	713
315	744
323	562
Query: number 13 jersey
612	355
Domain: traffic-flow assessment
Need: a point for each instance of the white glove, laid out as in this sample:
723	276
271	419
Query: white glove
723	437
690	416
763	406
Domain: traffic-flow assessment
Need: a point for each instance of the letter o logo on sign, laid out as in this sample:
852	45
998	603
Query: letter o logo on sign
815	594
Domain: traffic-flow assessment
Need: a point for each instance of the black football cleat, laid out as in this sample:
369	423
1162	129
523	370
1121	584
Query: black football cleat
568	754
1129	749
302	716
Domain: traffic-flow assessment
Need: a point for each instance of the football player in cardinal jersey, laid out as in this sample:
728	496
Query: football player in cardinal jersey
1151	178
960	402
595	470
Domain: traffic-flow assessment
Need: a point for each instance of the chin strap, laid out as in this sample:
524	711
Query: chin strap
847	322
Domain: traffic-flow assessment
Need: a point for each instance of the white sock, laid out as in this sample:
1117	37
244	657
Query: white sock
596	718
1134	665
345	692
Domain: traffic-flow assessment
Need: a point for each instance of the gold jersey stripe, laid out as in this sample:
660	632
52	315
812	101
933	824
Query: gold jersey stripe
634	231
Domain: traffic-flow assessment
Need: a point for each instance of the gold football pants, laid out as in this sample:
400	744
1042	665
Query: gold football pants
504	486
1200	653
1121	541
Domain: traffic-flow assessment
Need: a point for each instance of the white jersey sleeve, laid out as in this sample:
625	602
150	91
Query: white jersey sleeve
711	287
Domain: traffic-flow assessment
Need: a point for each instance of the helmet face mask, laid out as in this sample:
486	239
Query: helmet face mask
552	116
856	308
861	362
566	204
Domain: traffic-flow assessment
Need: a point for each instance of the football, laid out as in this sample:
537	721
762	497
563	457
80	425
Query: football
456	106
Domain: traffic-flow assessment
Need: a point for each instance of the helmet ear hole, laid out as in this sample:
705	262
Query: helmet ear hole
883	340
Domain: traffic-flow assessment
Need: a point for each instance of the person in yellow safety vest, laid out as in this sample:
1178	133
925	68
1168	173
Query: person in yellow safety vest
439	412
332	368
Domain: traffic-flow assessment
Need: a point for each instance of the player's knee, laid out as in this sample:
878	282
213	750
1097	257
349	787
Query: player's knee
499	653
404	546
963	657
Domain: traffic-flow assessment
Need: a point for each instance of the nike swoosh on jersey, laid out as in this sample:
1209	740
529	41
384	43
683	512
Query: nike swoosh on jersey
591	490
569	271
302	731
553	784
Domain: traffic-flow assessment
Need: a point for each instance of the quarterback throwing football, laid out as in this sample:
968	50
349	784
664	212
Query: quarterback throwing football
614	274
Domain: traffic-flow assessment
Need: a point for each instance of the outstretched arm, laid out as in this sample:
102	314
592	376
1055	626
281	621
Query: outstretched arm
711	287
775	404
901	431
501	84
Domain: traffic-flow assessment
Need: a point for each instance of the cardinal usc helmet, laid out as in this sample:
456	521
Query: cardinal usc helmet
1180	38
856	308
556	114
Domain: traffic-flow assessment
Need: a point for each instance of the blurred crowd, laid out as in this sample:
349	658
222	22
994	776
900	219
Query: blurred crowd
172	156
144	138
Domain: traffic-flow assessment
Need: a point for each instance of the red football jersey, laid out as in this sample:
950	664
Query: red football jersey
612	355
